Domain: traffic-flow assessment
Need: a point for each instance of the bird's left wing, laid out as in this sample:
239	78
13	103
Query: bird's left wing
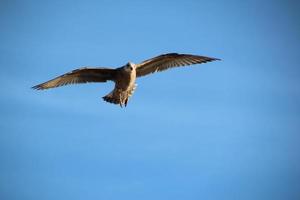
166	61
82	75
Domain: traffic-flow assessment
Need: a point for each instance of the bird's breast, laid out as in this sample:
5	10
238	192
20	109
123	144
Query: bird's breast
125	80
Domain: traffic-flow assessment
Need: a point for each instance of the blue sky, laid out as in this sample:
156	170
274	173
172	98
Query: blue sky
222	130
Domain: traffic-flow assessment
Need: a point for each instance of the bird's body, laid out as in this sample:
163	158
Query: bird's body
124	85
125	76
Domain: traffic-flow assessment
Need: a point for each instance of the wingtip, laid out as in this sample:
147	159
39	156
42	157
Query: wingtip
216	59
210	59
36	87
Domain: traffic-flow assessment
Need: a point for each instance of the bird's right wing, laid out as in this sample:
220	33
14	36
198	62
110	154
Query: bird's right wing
82	75
170	60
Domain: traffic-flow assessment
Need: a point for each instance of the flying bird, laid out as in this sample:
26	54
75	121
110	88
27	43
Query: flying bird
124	77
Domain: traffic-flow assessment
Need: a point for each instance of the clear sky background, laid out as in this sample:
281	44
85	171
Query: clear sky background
221	130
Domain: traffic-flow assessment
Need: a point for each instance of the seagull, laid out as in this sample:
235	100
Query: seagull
124	77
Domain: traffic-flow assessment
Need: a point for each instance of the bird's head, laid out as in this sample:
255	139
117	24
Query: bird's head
129	66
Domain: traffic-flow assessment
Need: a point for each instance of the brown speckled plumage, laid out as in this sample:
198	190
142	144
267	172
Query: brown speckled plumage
124	77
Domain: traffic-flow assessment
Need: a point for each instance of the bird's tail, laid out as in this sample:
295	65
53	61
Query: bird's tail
112	97
118	96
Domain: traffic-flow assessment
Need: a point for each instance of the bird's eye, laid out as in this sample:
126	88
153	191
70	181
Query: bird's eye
131	68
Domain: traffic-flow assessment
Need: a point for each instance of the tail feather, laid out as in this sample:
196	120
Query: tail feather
118	96
111	99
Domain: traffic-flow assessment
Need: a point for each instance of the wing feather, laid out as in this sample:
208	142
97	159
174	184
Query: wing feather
166	61
82	75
